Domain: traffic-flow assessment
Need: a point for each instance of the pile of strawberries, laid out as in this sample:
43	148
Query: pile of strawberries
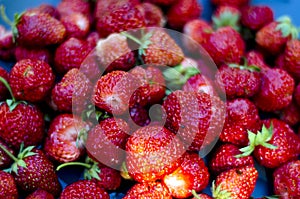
103	87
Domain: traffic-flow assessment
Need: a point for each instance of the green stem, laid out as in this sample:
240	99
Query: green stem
6	84
9	153
195	194
88	166
131	37
4	16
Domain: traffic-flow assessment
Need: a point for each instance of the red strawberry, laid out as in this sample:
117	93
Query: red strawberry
31	80
199	83
286	180
47	9
276	90
72	93
255	58
77	25
92	39
106	142
148	190
192	174
42	54
113	53
224	159
40	194
274	36
234	3
280	62
237	183
226	16
225	46
5	160
153	14
8	187
162	2
152	152
3	90
292	57
196	118
242	115
65	138
255	17
139	117
186	9
238	80
84	189
291	114
67	7
6	38
201	196
70	54
297	94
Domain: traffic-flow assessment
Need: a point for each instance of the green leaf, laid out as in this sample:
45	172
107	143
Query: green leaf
269	146
21	163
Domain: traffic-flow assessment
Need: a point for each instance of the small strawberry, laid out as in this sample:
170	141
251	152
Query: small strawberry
70	54
3	90
192	174
77	25
276	90
199	83
255	17
186	9
226	16
42	54
47	9
237	183
286	180
255	58
290	114
5	160
40	194
153	152
273	37
297	94
225	46
224	159
8	187
153	14
65	138
292	57
148	190
234	3
31	80
84	189
139	117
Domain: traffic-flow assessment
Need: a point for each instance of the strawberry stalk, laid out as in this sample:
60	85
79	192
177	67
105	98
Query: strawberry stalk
196	195
251	68
227	18
12	24
287	28
218	193
124	172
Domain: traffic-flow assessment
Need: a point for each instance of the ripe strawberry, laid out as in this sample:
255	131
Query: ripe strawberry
255	58
242	115
226	16
238	80
290	114
3	90
286	180
65	138
139	117
196	118
148	190
255	17
199	83
72	93
224	159
186	9
237	183
70	54
153	14
47	9
292	57
84	189
106	142
42	54
273	37
113	53
8	187
40	194
201	196
234	3
6	38
162	2
280	62
225	46
31	80
192	174
77	25
153	152
5	160
67	7
92	39
297	94
276	90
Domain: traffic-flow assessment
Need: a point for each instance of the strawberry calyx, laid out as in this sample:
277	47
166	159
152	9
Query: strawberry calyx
287	28
196	195
227	18
261	138
12	24
219	193
245	66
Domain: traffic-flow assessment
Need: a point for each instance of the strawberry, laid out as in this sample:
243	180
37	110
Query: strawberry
42	54
186	9
139	117
92	39
148	190
286	180
234	3
31	80
201	196
196	118
255	58
238	80
3	90
237	183
5	160
145	161
226	16
242	115
6	38
40	194
255	17
280	62
273	37
297	94
225	46
70	54
77	25
84	189
290	114
224	159
153	14
113	53
192	174
291	57
73	92
276	90
106	141
8	187
162	2
199	83
47	9
65	138
67	7
275	145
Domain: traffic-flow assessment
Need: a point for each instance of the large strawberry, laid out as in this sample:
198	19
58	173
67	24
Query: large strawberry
191	175
31	80
3	90
292	57
8	187
40	194
237	183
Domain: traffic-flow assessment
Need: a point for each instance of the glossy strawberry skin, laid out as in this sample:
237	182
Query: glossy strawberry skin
192	174
291	58
3	90
138	117
42	54
153	14
84	189
290	114
256	58
47	9
199	83
110	179
31	80
40	194
67	7
8	187
256	17
23	124
286	180
77	25
286	141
